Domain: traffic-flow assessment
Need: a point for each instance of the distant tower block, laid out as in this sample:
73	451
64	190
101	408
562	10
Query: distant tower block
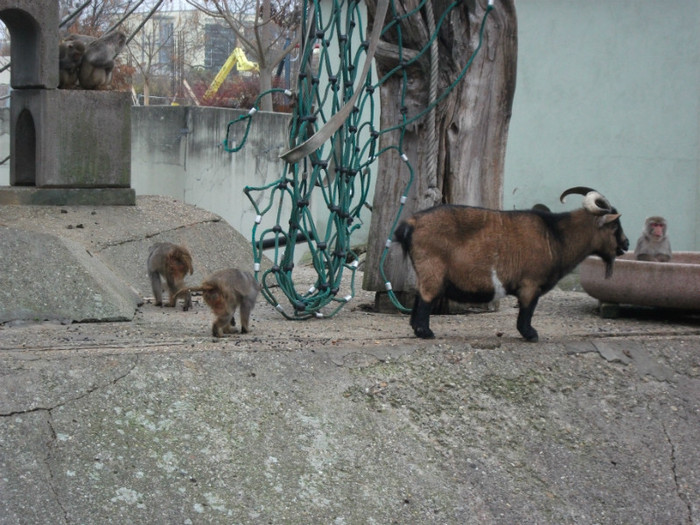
66	146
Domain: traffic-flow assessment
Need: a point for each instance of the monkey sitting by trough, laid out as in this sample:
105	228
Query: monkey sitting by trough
224	291
653	245
172	262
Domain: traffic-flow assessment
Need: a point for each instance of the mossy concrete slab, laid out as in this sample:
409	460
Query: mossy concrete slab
56	256
45	277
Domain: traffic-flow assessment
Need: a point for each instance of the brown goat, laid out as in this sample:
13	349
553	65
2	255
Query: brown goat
477	255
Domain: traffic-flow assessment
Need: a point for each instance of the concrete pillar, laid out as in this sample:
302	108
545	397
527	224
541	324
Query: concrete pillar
33	26
67	146
70	138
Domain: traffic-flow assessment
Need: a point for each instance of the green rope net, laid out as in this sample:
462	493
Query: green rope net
335	173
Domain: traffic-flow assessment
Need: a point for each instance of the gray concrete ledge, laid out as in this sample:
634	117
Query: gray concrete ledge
88	263
45	277
29	195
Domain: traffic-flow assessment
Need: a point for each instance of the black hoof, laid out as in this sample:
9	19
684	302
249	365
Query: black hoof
424	333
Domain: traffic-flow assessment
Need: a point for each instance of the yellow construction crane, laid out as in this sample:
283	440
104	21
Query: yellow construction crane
236	59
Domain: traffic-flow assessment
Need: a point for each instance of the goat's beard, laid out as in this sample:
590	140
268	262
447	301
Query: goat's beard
609	267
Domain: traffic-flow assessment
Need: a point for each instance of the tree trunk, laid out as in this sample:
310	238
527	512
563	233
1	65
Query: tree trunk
265	67
265	85
458	153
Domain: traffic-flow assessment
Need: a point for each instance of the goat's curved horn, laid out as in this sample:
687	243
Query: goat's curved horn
594	202
578	190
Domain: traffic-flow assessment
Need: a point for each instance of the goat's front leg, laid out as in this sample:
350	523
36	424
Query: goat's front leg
525	320
420	318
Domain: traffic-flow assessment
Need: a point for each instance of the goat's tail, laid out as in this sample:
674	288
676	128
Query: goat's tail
403	234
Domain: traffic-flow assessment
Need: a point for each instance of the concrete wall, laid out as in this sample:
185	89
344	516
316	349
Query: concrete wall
177	151
608	96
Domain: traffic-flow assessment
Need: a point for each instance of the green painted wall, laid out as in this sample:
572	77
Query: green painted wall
608	96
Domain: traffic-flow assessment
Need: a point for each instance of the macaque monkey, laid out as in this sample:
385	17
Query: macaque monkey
98	61
172	262
653	245
224	291
70	55
75	37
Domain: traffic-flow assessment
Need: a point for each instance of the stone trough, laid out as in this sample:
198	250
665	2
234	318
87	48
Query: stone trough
674	284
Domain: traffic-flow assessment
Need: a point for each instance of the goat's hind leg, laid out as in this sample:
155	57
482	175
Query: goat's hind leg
420	318
525	321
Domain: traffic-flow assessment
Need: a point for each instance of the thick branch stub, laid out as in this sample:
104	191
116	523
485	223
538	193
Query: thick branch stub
388	57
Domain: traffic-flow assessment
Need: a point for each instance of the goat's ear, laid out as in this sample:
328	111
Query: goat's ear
608	218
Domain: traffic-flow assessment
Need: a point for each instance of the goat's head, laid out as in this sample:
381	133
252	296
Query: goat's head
613	240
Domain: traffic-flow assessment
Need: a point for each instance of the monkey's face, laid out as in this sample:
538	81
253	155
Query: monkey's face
656	229
178	269
216	301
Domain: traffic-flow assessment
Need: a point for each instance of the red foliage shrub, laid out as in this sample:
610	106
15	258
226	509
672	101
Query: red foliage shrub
239	92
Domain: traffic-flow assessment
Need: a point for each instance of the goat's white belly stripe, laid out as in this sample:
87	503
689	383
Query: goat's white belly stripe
499	292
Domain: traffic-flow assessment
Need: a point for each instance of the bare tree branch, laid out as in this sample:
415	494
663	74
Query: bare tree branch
126	15
74	14
143	22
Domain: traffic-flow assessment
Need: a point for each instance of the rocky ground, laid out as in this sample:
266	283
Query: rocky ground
562	317
350	419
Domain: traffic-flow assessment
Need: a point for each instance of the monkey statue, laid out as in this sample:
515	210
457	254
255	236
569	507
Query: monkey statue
653	245
98	61
224	291
172	262
70	55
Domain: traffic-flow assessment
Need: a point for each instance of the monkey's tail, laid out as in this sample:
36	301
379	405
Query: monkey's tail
189	289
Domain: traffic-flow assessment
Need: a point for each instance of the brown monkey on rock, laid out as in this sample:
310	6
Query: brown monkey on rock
654	245
98	61
224	291
172	262
70	55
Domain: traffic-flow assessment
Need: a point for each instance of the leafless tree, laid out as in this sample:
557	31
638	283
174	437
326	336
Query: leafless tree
266	29
163	50
145	52
95	17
